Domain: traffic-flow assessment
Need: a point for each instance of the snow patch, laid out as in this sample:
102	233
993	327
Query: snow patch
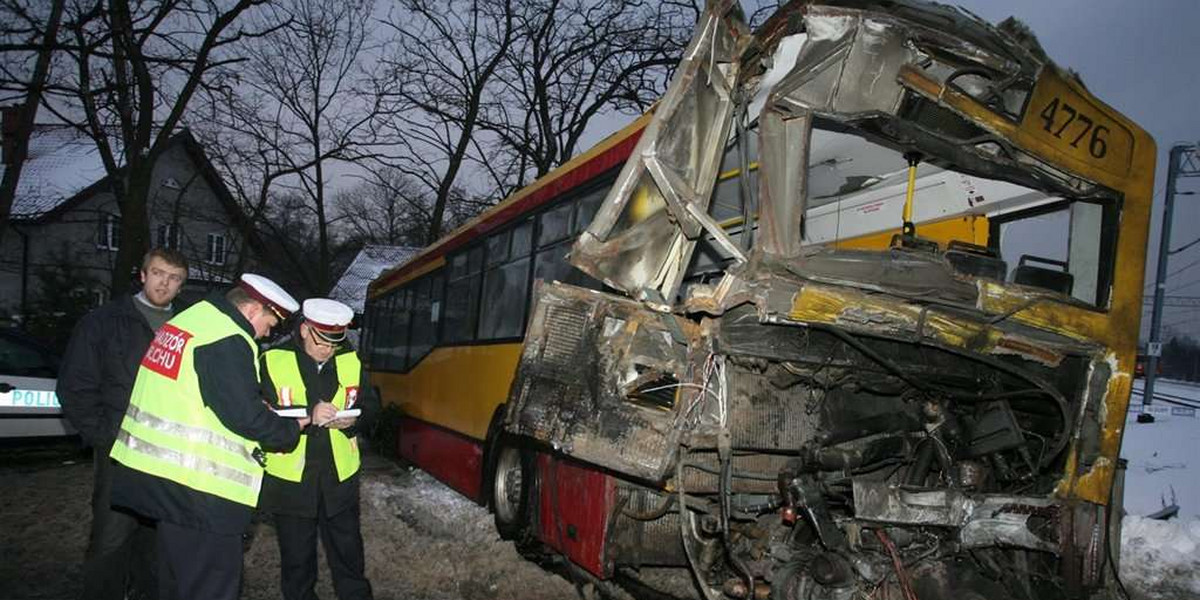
1159	559
426	505
1160	454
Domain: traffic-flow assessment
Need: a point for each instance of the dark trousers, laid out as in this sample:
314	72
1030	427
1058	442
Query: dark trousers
120	549
198	564
342	538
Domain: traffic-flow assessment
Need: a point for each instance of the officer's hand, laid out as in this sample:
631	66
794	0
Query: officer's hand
304	422
323	412
341	423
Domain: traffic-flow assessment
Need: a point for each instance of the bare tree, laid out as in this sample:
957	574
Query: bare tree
446	56
124	75
387	208
300	102
573	61
289	223
17	148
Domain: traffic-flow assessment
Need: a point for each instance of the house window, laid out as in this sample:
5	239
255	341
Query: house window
168	236
109	236
216	249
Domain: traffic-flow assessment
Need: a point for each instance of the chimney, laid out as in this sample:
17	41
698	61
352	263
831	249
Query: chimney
8	130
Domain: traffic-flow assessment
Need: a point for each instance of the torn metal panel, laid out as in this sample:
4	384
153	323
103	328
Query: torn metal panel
644	234
598	379
981	520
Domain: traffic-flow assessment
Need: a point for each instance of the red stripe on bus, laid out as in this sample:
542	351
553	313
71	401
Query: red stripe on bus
453	459
574	503
593	168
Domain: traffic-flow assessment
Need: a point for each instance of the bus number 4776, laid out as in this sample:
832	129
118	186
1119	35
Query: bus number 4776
1056	110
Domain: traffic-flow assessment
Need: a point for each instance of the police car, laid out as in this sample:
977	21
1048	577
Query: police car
28	405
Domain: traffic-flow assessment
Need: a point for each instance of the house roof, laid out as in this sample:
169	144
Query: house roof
370	262
64	168
62	163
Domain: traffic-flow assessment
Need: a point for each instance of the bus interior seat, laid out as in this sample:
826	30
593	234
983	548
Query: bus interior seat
1053	279
975	260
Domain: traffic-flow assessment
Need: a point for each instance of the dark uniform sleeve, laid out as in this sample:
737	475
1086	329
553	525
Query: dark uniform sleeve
225	372
368	402
79	388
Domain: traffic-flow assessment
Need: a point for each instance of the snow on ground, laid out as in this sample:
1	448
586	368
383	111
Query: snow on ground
1160	560
1159	454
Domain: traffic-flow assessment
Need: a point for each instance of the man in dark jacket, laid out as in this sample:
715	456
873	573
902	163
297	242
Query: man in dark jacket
189	453
93	386
314	488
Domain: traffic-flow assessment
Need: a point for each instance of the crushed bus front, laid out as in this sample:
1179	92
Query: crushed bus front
807	421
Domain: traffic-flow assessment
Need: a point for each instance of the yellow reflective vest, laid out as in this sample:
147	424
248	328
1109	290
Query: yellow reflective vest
284	372
169	432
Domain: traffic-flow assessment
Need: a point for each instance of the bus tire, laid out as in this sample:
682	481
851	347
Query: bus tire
511	485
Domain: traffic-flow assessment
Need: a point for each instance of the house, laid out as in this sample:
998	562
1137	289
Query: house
65	221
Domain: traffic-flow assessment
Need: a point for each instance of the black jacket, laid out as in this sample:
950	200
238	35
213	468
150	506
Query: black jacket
319	483
98	369
229	386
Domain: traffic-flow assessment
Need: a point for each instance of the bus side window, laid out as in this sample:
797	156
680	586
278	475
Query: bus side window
402	316
522	239
588	205
555	224
390	332
462	298
372	322
422	329
505	288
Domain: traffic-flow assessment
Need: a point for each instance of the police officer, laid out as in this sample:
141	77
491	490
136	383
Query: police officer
314	488
188	451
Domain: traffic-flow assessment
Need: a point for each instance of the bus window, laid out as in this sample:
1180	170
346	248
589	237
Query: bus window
497	248
462	296
391	335
424	325
1060	247
504	292
551	263
555	224
522	238
588	205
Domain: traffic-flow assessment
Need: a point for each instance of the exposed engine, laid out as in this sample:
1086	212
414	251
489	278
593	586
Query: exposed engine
817	463
849	465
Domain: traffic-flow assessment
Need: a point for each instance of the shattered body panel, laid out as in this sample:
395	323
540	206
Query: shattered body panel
818	423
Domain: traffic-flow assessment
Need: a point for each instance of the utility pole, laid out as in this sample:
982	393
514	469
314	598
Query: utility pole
1183	161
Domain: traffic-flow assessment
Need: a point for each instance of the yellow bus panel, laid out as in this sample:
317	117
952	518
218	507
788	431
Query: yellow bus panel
456	387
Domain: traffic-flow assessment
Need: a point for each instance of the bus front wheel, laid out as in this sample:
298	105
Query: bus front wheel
512	480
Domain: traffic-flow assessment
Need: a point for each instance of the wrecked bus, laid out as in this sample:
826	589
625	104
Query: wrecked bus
900	370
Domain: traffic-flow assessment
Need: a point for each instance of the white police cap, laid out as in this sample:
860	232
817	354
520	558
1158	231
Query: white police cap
269	294
329	318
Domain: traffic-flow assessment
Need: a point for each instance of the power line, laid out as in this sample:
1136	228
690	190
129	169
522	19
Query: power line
1183	268
1176	301
1185	246
1185	286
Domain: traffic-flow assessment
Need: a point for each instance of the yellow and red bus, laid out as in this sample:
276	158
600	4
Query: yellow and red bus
903	370
444	330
